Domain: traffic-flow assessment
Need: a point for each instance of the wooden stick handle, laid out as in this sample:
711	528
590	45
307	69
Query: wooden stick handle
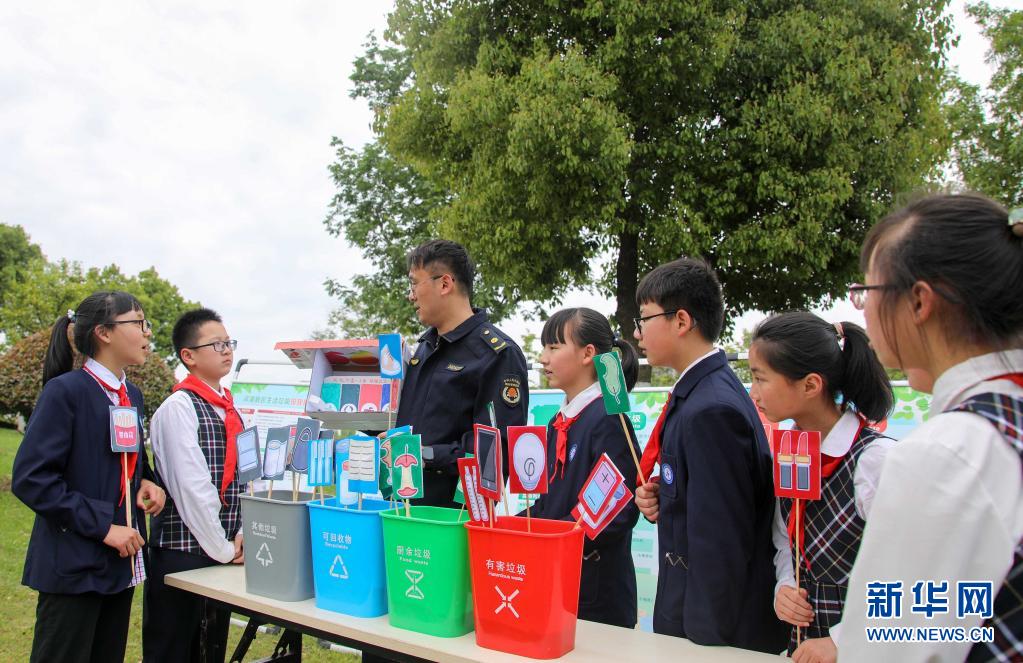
798	564
632	448
127	490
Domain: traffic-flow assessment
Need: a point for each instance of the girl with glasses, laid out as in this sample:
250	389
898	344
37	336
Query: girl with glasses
83	557
946	530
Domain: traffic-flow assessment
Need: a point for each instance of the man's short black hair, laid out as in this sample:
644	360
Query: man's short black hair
186	329
451	255
690	285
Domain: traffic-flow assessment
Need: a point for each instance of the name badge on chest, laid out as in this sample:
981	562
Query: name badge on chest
124	429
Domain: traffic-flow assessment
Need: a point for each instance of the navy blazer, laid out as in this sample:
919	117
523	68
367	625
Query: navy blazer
65	472
449	383
716	572
607	592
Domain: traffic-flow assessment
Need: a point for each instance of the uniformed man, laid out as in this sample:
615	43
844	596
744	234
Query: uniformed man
462	365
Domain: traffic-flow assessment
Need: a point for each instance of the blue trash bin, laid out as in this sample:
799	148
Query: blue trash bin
348	557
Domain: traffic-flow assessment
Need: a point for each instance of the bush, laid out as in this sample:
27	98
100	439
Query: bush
21	376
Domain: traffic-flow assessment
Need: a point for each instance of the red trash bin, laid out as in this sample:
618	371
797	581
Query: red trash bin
525	585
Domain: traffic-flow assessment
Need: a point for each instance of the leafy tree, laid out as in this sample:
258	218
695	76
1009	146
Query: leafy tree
765	136
21	376
48	290
988	126
17	255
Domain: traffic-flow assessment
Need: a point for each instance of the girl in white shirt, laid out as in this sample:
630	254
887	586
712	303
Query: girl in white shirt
942	301
825	378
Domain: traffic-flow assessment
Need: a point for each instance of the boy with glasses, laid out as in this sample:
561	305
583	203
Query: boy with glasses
713	500
193	436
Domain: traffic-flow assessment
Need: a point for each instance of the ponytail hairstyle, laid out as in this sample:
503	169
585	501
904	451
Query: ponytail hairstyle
799	343
969	250
592	328
97	310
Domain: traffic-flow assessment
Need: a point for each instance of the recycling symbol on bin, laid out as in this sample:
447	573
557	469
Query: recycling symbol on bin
338	568
264	556
414	576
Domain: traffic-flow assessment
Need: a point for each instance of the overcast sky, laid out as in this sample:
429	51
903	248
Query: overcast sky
194	137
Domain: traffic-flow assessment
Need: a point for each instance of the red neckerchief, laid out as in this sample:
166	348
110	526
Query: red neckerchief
652	452
1012	377
232	424
828	466
562	424
124	401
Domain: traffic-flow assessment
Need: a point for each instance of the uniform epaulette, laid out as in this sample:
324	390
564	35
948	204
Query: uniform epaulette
493	339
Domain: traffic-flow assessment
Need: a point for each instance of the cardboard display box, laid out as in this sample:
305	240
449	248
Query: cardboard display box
346	374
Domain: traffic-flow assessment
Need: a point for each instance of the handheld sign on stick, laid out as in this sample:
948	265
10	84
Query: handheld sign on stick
616	397
363	464
594	526
527	454
488	454
600	487
392	365
459	497
306	430
249	466
321	462
125	439
797	475
275	457
407	473
468	478
387	460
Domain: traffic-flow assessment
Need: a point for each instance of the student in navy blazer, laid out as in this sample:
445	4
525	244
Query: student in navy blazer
81	558
713	501
576	437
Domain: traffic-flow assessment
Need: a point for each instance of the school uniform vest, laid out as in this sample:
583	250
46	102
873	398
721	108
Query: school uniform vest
1006	414
169	529
833	531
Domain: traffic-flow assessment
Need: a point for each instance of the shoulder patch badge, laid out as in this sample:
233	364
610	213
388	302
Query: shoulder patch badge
511	392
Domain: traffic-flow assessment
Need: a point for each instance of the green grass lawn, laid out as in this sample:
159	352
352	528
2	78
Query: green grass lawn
18	603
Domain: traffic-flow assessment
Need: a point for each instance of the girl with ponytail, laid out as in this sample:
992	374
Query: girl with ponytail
826	378
83	557
576	437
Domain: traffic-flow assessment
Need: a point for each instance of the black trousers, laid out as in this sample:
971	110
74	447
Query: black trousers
172	619
81	628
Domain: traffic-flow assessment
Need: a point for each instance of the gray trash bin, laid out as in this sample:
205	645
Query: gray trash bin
278	552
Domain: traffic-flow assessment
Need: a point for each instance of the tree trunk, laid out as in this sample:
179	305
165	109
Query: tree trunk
626	280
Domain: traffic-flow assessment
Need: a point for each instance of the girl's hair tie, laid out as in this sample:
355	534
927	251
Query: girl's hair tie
841	336
71	315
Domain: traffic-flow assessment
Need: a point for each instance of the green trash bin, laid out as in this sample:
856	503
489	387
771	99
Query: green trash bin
426	557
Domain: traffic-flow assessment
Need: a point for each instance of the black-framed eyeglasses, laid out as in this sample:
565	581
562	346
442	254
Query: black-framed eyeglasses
858	293
639	321
412	285
218	346
144	325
